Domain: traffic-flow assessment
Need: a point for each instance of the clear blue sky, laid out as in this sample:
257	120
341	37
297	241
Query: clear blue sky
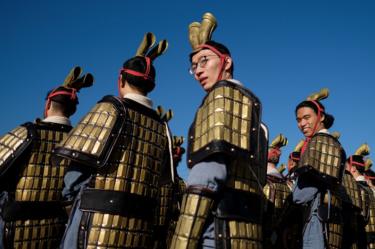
282	51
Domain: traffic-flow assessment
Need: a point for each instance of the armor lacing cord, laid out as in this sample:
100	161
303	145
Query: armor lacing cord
72	94
307	140
222	57
170	151
145	75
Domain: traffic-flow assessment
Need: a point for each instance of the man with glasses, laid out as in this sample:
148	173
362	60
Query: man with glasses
222	206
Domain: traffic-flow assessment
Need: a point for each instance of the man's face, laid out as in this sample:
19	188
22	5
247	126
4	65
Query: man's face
206	66
306	120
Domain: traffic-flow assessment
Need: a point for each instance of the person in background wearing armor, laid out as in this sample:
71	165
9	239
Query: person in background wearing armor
293	160
119	154
319	172
227	154
370	174
170	194
32	212
276	190
356	166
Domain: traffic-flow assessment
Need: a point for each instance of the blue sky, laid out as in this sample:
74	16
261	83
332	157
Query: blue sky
282	51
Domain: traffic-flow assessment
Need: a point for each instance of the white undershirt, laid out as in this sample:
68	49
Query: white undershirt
58	120
141	99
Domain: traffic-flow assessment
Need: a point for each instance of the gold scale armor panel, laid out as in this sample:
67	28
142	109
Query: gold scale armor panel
10	144
368	208
334	224
350	195
227	122
324	155
133	166
195	209
40	182
276	191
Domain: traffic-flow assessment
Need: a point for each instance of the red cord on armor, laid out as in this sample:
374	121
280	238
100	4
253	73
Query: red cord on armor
222	57
73	96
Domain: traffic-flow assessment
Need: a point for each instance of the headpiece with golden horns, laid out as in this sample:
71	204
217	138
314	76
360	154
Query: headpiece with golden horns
200	33
279	141
336	134
67	92
164	116
363	150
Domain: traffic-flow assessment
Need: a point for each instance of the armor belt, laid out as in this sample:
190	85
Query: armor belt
325	156
24	210
117	203
240	205
228	122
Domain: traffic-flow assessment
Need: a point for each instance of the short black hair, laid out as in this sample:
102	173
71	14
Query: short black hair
358	159
328	118
139	64
220	47
64	102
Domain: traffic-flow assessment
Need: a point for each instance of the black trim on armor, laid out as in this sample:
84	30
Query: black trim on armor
33	210
221	234
101	160
31	136
117	203
240	205
198	190
370	237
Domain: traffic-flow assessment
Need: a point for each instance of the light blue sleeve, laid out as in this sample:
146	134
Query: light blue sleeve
73	180
208	174
304	190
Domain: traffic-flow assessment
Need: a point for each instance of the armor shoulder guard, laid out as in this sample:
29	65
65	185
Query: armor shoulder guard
14	143
349	192
325	156
92	140
228	121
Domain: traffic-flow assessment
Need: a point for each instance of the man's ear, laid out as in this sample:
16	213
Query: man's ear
322	117
228	63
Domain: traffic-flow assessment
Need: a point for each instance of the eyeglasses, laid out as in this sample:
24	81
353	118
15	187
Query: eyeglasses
201	63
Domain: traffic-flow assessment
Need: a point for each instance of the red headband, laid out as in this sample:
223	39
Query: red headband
145	75
72	94
221	56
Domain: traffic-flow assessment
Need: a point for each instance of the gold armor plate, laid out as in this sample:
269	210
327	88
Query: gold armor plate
323	154
225	115
11	142
92	132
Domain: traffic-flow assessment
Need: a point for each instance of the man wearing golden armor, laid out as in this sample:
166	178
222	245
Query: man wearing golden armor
120	154
319	171
356	166
276	190
32	212
227	148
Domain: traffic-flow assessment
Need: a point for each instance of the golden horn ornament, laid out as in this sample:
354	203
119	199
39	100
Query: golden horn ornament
336	134
279	141
363	150
207	27
74	73
299	146
322	94
194	28
147	42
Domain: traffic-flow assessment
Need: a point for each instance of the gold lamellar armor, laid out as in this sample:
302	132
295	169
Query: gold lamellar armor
200	33
10	143
324	155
